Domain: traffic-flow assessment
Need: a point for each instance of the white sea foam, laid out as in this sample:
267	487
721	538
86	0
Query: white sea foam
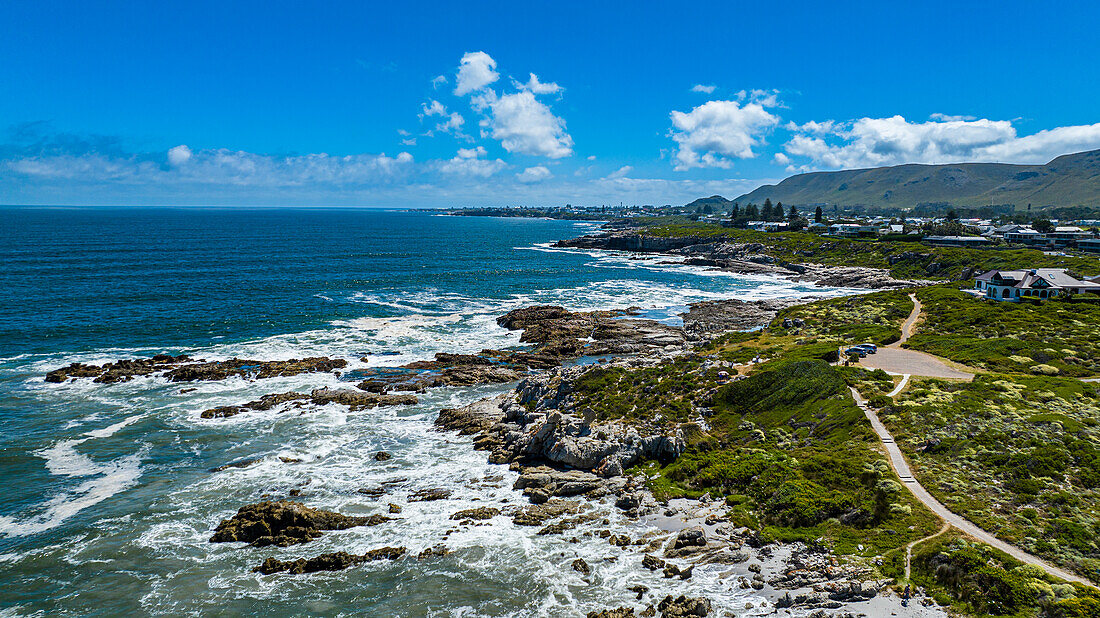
336	449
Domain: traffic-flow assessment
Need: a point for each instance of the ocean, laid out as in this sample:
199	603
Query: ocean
111	497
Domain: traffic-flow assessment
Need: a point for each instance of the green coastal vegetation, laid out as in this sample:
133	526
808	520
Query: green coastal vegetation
1015	451
903	257
1052	338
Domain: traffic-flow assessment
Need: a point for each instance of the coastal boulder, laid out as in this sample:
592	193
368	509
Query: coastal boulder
327	562
281	523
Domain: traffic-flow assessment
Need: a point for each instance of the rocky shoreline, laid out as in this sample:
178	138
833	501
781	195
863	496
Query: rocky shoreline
570	465
741	258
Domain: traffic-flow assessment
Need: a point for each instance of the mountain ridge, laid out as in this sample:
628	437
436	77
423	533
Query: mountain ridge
1067	180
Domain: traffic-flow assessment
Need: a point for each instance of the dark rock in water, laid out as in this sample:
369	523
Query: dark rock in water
580	566
219	370
328	562
640	590
429	495
475	418
373	492
479	514
621	612
355	400
431	552
690	537
553	482
118	371
538	514
243	463
652	562
281	523
382	456
373	386
263	403
683	606
629	501
519	319
394	508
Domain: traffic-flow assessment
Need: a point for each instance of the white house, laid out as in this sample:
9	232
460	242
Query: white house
1037	283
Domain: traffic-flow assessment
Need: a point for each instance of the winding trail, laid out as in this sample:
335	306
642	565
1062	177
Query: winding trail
901	467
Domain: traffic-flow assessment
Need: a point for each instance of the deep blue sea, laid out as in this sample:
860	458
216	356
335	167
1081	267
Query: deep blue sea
109	498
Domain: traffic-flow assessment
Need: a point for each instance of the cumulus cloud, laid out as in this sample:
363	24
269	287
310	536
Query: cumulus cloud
872	142
781	159
178	155
535	174
534	85
452	121
471	162
476	71
715	132
704	88
525	125
439	80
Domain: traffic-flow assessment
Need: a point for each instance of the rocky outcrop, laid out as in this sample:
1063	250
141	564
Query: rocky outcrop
530	426
220	370
356	400
336	561
630	241
620	612
712	317
683	606
538	514
184	369
118	371
479	514
282	523
562	334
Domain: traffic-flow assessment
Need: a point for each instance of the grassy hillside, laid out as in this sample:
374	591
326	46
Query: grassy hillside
1069	180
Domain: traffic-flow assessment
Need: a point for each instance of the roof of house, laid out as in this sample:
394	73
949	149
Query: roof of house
1036	277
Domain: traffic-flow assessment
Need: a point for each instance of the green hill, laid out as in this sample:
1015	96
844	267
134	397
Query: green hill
1067	181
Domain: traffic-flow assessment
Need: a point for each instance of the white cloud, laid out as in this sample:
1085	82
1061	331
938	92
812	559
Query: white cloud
217	167
534	85
946	117
591	157
530	175
525	125
781	159
178	155
872	142
716	131
476	71
707	88
622	172
469	162
438	81
452	121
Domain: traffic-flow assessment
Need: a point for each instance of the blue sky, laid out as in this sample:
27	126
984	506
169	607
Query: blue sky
400	104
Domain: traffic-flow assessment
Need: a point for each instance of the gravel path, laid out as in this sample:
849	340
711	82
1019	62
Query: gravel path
894	359
901	466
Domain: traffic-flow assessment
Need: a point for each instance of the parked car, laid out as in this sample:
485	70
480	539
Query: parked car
854	351
869	347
